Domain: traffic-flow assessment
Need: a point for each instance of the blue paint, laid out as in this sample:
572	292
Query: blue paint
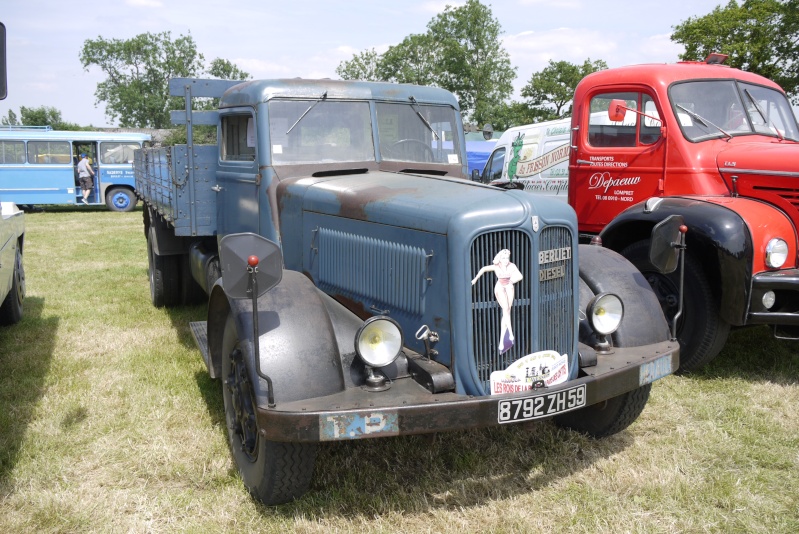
357	425
649	372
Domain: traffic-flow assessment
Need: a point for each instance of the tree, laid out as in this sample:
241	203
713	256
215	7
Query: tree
137	75
362	66
550	91
760	36
41	116
415	60
225	70
473	64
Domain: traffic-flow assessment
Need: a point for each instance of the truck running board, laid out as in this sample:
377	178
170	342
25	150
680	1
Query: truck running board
199	330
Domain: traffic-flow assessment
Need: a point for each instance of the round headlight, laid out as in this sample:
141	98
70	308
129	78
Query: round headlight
378	341
776	253
605	312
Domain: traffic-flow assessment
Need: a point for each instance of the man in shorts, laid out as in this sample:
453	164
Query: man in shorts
85	177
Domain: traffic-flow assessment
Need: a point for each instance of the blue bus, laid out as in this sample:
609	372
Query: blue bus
39	166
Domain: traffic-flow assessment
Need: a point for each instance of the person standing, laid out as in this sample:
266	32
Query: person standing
85	177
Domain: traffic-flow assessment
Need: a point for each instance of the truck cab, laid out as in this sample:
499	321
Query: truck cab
358	285
720	147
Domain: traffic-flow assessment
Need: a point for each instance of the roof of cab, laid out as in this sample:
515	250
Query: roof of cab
663	75
256	91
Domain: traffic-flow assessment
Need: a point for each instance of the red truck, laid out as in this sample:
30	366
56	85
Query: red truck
714	144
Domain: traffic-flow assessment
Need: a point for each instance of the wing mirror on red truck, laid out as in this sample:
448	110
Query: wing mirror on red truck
667	252
617	111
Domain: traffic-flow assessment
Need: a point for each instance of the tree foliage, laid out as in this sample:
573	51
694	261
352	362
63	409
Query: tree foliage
40	116
136	88
362	66
460	51
760	36
550	92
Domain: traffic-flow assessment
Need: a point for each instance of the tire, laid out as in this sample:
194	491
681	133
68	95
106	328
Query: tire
701	332
164	271
120	199
11	309
609	417
273	472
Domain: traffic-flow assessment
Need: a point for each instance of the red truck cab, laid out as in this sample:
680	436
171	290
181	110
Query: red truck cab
716	145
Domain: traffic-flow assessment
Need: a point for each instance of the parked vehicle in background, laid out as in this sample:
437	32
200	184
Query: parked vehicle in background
359	286
39	166
716	145
12	235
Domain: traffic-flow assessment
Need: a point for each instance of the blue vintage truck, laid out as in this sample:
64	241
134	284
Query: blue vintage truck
358	285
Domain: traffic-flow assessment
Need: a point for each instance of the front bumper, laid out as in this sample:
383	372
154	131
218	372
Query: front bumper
408	408
785	285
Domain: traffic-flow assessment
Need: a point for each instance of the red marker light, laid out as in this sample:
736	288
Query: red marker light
683	229
252	261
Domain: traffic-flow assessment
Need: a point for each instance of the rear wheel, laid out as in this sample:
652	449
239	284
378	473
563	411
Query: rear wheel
608	417
120	199
165	289
701	332
11	309
273	472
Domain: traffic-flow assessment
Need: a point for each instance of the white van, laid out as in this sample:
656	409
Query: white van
535	156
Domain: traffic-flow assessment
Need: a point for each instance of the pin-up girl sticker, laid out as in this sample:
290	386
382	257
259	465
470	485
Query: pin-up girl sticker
507	275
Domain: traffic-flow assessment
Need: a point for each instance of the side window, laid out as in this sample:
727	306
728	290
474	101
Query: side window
49	152
604	133
238	138
650	126
493	170
12	152
117	152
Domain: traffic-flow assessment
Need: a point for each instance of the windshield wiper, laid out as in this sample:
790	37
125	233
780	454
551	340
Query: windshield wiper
415	108
324	95
763	114
702	120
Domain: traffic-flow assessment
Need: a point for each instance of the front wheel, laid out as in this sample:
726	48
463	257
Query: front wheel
11	309
120	199
273	472
608	417
701	331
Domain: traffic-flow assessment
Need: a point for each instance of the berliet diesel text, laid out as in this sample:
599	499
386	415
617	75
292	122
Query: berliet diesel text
393	296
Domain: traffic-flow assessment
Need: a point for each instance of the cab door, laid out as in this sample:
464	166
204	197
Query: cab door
618	163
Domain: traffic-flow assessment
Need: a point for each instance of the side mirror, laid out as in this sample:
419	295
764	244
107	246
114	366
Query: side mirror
666	243
617	110
475	175
238	252
3	84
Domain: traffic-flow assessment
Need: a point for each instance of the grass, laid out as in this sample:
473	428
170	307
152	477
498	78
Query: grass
109	423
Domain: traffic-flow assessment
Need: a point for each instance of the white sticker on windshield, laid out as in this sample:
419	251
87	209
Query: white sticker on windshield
277	149
452	158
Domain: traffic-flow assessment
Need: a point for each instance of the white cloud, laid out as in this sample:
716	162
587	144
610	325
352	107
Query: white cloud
145	3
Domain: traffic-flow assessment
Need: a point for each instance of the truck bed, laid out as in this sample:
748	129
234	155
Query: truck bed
162	182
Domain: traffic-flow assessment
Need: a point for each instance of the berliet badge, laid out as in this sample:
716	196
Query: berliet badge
535	223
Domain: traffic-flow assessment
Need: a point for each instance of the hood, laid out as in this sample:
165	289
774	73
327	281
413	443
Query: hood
426	203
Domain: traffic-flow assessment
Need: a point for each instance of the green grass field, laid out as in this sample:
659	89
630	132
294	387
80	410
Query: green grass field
109	423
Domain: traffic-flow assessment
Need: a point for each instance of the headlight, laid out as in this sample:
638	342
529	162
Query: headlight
378	341
605	312
776	253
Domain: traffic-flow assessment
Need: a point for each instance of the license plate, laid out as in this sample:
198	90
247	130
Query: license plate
529	408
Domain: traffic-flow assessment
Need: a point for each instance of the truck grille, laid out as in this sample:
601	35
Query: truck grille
542	315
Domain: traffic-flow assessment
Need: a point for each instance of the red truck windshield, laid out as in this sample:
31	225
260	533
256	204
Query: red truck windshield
711	109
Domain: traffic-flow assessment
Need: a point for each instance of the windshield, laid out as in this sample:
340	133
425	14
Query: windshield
313	131
727	108
418	133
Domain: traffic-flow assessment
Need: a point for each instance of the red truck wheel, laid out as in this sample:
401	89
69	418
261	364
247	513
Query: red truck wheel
701	332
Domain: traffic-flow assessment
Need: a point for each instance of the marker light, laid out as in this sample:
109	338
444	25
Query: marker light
378	341
776	253
605	312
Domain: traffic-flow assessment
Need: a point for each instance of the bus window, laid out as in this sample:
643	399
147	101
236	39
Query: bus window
49	152
12	152
117	152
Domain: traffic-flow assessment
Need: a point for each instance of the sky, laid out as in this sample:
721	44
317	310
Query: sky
310	38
